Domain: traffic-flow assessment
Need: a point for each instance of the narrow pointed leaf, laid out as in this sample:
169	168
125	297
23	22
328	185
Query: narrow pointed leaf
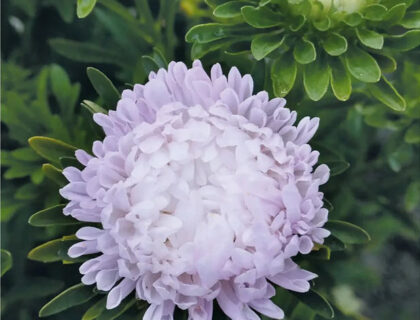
51	149
362	65
6	261
50	217
92	107
335	44
118	311
73	296
54	174
85	7
347	232
103	86
262	45
95	310
316	302
283	75
52	251
370	38
316	78
385	92
340	80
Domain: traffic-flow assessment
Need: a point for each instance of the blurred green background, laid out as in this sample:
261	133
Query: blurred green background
45	52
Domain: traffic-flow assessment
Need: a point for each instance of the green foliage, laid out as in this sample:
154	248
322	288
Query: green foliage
6	261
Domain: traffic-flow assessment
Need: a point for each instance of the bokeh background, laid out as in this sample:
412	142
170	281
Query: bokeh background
45	52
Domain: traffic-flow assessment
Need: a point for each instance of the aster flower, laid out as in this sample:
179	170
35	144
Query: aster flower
203	191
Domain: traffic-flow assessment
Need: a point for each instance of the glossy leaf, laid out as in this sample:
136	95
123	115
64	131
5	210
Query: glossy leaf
230	9
73	296
51	217
283	75
261	17
316	302
347	232
340	80
335	44
6	261
264	44
404	42
304	51
51	149
316	77
362	65
370	38
85	7
385	92
103	86
52	251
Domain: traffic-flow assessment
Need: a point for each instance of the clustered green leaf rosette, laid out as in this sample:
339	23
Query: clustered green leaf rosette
342	44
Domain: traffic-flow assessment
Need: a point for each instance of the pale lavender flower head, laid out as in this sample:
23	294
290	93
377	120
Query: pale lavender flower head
203	191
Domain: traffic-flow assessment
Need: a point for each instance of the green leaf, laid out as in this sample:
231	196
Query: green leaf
264	44
61	87
337	167
353	19
261	17
404	42
323	24
85	7
231	9
375	12
298	22
370	38
395	14
6	261
103	86
316	77
335	44
411	20
362	65
385	92
71	162
413	134
92	107
340	80
118	311
51	217
334	244
204	33
283	75
316	302
412	196
347	232
73	296
54	174
85	52
321	252
386	62
54	250
51	149
304	51
24	154
95	310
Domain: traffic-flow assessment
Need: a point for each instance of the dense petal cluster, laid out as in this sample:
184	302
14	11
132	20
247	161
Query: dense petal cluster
203	191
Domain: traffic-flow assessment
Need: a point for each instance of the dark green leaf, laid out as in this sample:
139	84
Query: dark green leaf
6	261
231	9
85	7
54	250
54	174
103	86
316	77
264	44
70	162
51	149
95	310
85	52
322	25
204	33
411	20
335	44
340	80
321	252
386	62
316	302
395	14
385	92
118	311
337	166
412	196
50	217
283	74
347	232
304	51
334	244
362	65
73	296
298	23
370	38
404	42
261	17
